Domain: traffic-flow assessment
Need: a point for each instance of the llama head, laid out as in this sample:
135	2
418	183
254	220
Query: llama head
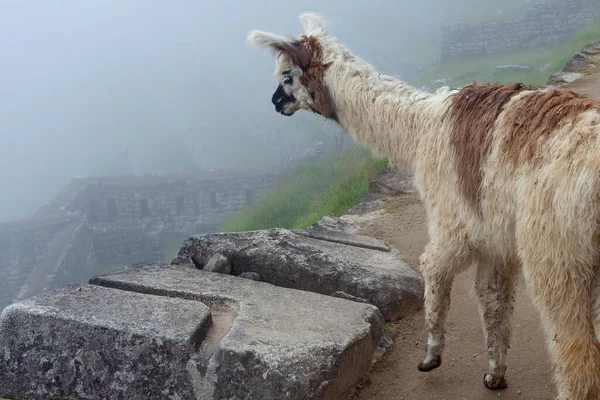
300	68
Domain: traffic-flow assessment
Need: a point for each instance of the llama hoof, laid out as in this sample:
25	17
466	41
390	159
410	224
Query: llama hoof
432	364
493	383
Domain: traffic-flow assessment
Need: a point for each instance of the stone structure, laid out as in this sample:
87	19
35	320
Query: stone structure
546	22
322	261
176	331
579	66
113	221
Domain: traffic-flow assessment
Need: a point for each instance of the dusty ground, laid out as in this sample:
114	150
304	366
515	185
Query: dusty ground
401	222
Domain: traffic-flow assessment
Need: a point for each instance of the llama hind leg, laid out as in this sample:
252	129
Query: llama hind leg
494	286
438	270
565	305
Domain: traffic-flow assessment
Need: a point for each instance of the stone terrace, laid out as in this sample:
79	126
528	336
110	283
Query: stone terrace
111	221
269	314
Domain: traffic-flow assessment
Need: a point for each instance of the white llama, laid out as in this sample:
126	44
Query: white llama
509	175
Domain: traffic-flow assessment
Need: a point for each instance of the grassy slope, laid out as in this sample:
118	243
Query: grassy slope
312	190
543	62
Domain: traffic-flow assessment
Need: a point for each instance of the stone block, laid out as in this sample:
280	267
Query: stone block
267	342
91	342
563	78
218	263
321	233
286	259
250	275
580	62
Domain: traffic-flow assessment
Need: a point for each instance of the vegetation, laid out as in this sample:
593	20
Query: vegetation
311	191
543	61
171	245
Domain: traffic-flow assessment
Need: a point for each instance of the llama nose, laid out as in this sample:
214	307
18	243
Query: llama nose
278	96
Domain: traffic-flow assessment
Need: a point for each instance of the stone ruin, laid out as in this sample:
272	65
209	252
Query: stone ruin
545	22
97	223
273	314
581	64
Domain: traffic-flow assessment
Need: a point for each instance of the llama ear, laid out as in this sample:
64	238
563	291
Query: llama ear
281	45
268	40
312	23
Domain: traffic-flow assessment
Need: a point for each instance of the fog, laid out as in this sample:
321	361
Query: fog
106	87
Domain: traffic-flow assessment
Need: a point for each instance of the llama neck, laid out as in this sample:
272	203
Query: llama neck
380	111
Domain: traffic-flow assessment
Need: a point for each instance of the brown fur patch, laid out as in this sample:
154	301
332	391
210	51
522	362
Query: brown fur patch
307	53
312	78
537	116
474	111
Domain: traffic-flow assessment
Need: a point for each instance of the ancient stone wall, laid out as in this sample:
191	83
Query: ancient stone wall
173	205
78	260
125	244
546	22
23	247
101	222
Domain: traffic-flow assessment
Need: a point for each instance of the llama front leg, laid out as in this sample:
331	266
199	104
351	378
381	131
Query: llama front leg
438	271
494	286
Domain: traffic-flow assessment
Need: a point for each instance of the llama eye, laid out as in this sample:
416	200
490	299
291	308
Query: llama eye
287	80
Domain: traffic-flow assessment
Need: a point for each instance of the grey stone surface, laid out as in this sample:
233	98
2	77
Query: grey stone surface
267	342
562	78
393	182
91	342
591	49
545	22
344	295
335	224
337	230
250	275
579	63
286	259
120	221
218	263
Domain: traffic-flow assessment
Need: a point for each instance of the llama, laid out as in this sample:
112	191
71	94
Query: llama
510	179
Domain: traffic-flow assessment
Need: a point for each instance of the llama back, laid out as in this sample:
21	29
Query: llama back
505	146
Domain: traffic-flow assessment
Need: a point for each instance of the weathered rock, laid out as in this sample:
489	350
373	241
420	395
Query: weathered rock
591	49
562	78
334	224
218	263
250	275
344	295
393	182
338	231
268	342
90	342
579	63
286	259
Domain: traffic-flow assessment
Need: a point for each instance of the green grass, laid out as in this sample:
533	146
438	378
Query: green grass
543	62
311	191
171	245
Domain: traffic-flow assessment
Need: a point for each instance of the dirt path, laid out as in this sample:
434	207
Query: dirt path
401	222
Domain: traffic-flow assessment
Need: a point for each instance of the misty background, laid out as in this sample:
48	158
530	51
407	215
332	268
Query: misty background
106	87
